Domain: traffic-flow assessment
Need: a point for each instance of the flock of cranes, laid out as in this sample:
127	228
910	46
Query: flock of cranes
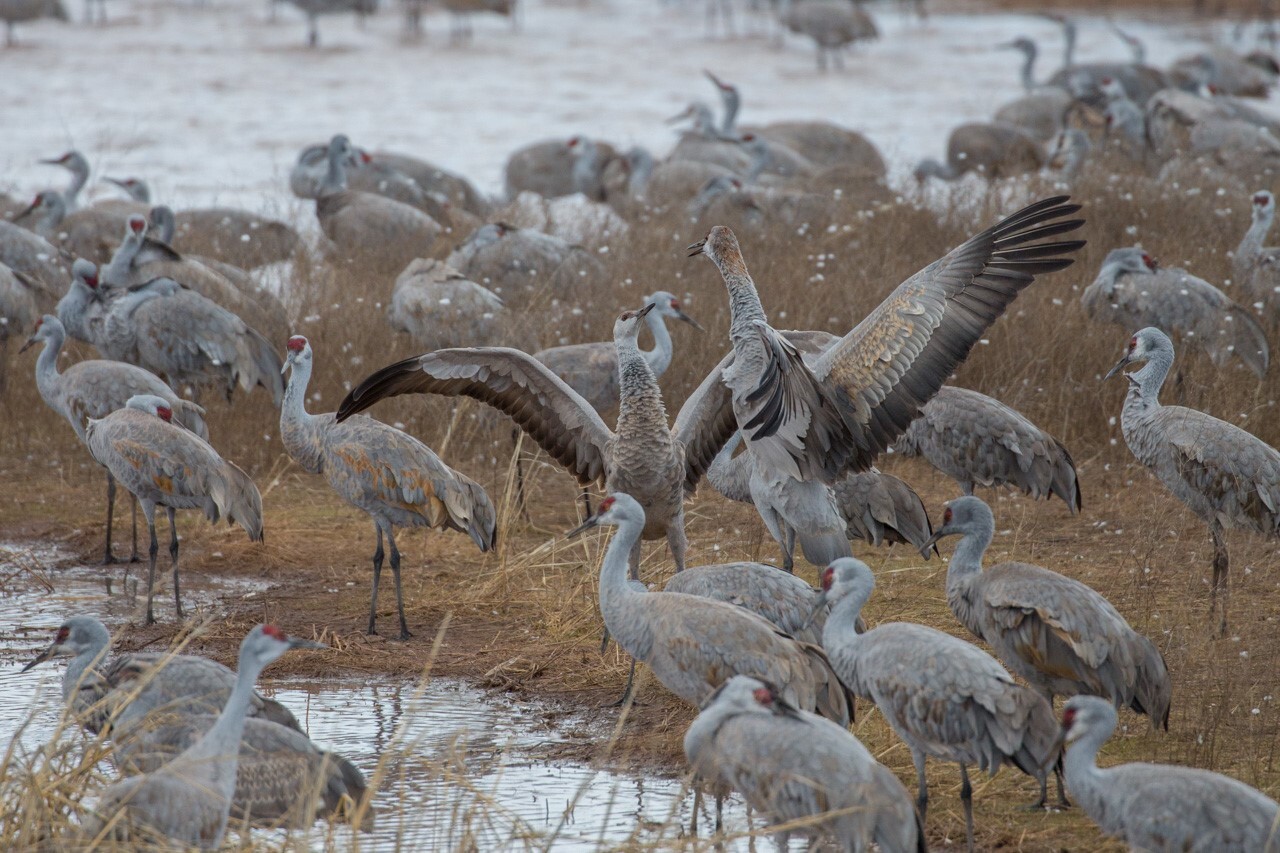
791	421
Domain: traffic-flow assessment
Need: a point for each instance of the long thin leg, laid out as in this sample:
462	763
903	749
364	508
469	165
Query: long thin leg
395	572
1221	579
133	558
922	785
677	541
173	556
788	547
107	557
377	575
586	502
151	552
966	797
520	496
628	691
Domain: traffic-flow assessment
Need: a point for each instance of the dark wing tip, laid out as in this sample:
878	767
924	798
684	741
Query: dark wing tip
376	386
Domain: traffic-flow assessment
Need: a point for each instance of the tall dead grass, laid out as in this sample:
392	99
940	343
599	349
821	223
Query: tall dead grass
524	617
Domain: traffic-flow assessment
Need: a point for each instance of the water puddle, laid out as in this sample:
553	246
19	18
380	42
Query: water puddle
462	768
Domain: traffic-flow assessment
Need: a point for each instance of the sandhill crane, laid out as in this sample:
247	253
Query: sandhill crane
1133	291
661	465
75	163
694	644
860	394
90	232
832	24
171	331
248	240
95	389
364	223
364	173
1160	806
576	219
1042	110
1140	81
313	9
978	441
1256	265
136	188
460	12
439	307
21	300
134	685
795	766
944	697
516	262
1057	633
28	253
14	12
556	167
1224	70
188	800
165	465
1226	476
1126	122
992	150
396	479
872	506
435	180
592	369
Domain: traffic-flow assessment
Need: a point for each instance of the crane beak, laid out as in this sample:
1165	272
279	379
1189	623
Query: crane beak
288	363
644	312
52	651
583	527
697	248
680	315
31	341
1118	368
681	116
931	544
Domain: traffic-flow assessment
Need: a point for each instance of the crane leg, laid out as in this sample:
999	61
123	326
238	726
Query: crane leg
107	557
395	573
377	576
520	497
789	548
628	692
313	32
152	552
677	541
966	797
922	785
173	557
1221	579
586	502
133	558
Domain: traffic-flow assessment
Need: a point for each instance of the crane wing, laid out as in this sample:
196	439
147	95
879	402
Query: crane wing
874	381
514	382
704	424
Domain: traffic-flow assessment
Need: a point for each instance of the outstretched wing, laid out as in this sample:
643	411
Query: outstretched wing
877	377
513	382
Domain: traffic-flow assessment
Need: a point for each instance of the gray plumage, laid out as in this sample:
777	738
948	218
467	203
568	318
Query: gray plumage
792	765
656	463
880	508
396	479
1257	266
979	441
1054	631
1227	477
769	592
246	239
95	389
992	150
944	697
364	174
78	165
165	465
439	307
132	686
1042	110
1161	807
551	168
313	9
832	24
592	369
371	226
817	422
27	252
1126	122
437	181
90	232
188	800
1133	291
1084	79
694	644
21	301
521	263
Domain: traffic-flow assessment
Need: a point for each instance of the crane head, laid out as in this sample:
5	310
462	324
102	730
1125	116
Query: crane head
1141	346
1263	203
137	225
76	635
612	511
64	160
41	332
297	349
266	643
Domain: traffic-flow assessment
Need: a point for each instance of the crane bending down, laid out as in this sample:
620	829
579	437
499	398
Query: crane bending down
977	440
795	766
819	421
188	800
1161	806
1223	474
165	465
944	697
658	465
1057	633
396	479
95	389
694	644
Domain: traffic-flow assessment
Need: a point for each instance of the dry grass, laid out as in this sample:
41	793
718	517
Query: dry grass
523	619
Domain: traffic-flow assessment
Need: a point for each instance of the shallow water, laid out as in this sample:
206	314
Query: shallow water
464	767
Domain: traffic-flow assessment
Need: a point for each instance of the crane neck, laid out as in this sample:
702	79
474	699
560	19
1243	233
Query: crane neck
642	166
79	177
759	160
72	308
54	211
1255	238
641	413
77	676
1080	763
660	356
732	102
297	425
840	628
1069	46
163	220
1028	67
47	365
1145	384
615	589
966	562
116	272
1109	276
335	179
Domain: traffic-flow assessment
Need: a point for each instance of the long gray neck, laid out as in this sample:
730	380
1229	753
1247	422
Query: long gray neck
732	103
298	428
117	272
659	357
641	413
1080	768
1146	383
55	210
1255	237
79	177
1109	275
586	168
840	630
1069	49
615	590
964	572
74	678
759	160
1028	68
641	171
163	220
47	372
72	310
335	179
